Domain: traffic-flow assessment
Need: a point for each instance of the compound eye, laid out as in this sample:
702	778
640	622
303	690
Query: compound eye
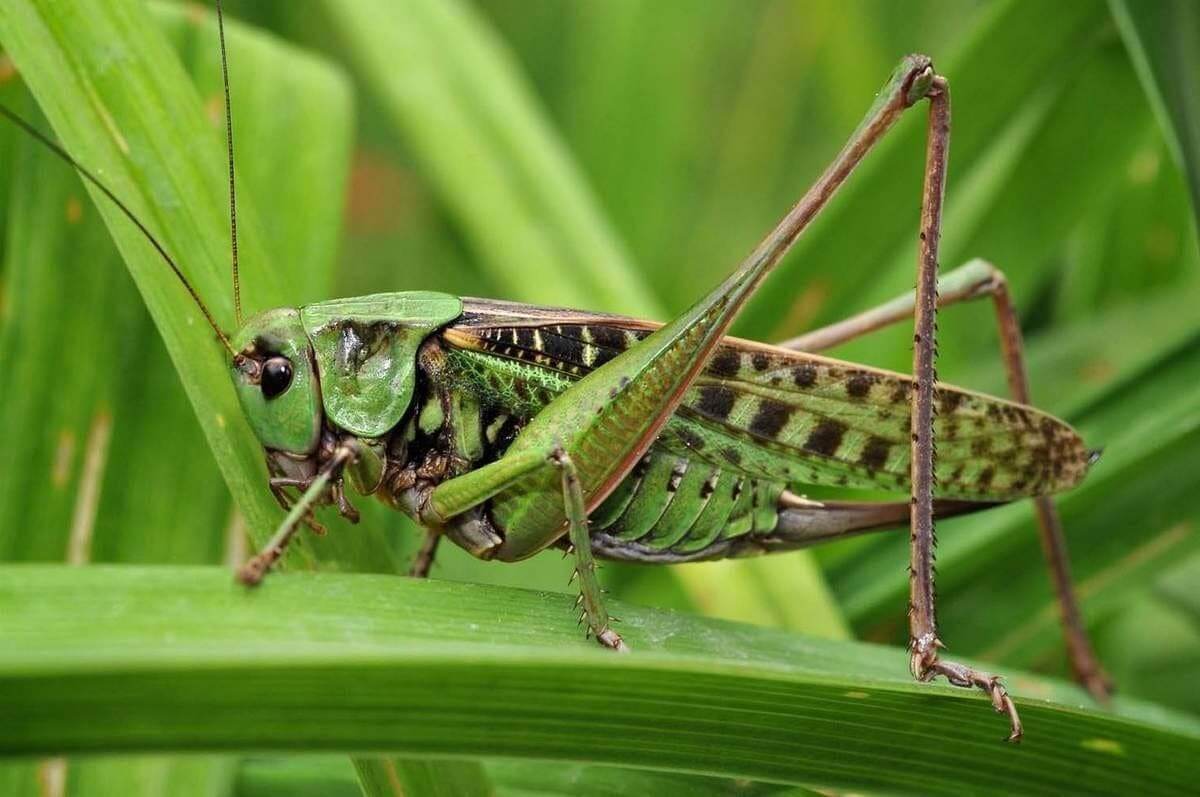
276	376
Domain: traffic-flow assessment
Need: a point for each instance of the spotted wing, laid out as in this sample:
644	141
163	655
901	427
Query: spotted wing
796	418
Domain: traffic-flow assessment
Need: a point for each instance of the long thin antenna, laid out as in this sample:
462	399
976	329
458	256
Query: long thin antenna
91	178
237	286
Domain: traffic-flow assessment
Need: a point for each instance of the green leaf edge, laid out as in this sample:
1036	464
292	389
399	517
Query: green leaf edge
182	659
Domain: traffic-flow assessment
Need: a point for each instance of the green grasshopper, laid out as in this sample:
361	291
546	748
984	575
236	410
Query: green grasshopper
510	428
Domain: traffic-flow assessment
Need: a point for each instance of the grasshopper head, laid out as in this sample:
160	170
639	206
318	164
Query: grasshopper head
276	382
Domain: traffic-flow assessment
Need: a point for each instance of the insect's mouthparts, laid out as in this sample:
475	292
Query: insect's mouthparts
248	366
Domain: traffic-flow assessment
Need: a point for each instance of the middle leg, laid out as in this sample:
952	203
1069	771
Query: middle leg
972	280
423	562
590	599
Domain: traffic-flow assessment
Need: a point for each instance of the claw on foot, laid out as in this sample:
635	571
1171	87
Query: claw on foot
344	507
611	639
251	574
314	525
926	665
1098	685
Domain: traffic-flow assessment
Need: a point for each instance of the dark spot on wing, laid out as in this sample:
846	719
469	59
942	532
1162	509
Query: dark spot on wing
949	401
859	385
525	338
875	453
732	455
563	348
608	337
770	419
826	437
805	375
716	401
760	361
603	355
725	363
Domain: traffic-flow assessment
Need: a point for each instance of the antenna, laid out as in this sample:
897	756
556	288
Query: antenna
91	178
237	287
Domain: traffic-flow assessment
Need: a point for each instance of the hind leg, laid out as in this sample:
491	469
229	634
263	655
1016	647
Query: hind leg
979	279
924	647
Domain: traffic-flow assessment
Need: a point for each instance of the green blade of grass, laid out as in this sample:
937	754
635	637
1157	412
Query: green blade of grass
883	196
83	475
1163	39
527	778
58	255
453	91
396	777
293	123
298	776
141	127
181	659
997	208
95	475
144	129
330	776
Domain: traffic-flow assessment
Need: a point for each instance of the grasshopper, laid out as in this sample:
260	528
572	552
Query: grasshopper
509	428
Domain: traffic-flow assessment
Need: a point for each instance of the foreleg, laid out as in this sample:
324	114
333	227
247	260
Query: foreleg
253	571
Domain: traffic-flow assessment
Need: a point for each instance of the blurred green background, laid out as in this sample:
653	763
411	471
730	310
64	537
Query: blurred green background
623	156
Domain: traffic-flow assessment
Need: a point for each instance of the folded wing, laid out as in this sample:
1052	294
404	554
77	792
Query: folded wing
802	419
